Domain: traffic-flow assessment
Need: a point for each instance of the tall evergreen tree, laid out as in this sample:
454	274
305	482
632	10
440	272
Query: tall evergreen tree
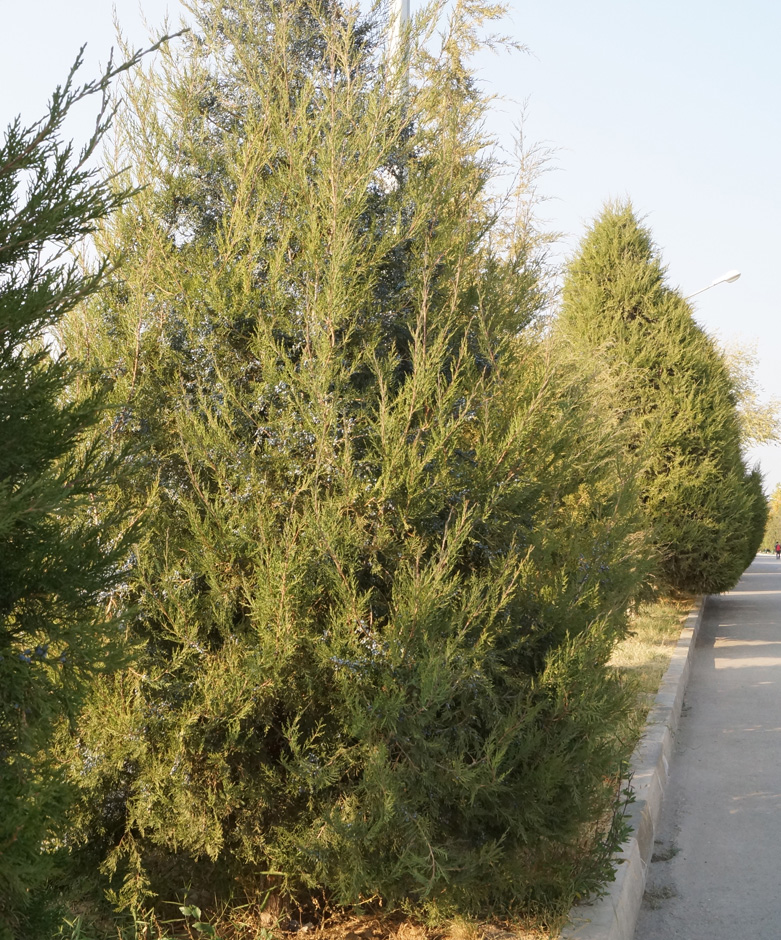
388	545
773	526
675	393
57	569
759	513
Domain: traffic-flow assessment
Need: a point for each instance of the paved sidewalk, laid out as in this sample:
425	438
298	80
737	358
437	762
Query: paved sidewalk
716	873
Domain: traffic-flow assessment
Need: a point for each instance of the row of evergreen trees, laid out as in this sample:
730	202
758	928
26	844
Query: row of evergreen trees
315	543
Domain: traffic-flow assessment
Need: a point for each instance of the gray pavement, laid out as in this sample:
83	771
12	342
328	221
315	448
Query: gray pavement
716	873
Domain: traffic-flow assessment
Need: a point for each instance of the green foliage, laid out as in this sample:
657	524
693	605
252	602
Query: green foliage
675	393
201	927
389	542
759	514
760	421
773	524
58	567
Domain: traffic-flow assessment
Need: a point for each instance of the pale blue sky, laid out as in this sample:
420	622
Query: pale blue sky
673	104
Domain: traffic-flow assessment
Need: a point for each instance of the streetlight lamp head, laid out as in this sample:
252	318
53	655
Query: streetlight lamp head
729	277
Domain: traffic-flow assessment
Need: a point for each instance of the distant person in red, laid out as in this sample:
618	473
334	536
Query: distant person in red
778	549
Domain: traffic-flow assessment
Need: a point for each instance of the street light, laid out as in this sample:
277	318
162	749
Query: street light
727	278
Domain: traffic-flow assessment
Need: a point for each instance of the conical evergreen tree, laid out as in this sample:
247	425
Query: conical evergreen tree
759	514
675	393
773	524
388	545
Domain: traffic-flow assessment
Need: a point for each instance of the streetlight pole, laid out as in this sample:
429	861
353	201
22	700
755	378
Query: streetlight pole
727	278
399	16
399	60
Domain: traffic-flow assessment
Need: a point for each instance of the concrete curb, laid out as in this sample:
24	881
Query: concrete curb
614	916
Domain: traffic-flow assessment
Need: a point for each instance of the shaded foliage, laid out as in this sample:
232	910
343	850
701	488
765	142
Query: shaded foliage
59	564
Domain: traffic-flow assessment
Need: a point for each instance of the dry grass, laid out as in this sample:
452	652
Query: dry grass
645	654
392	928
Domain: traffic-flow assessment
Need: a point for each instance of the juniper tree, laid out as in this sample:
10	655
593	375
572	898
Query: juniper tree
388	544
772	532
57	569
675	393
759	513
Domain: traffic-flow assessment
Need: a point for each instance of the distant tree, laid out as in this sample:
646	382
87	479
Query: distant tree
57	566
773	526
674	391
760	421
388	541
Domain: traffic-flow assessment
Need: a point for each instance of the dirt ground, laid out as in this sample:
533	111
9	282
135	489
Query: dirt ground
394	928
372	927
